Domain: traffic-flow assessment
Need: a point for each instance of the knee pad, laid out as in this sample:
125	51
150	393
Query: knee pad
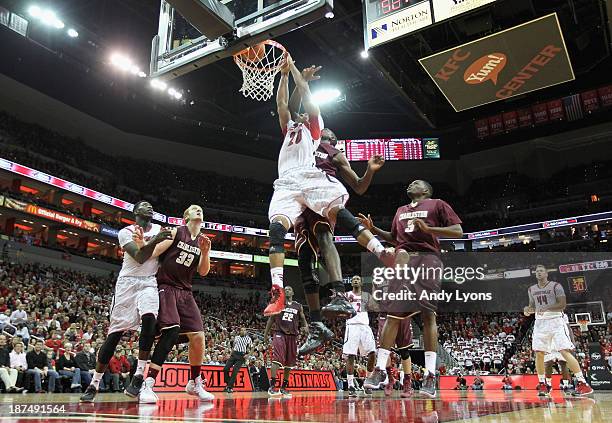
404	353
346	221
164	345
147	332
277	237
108	347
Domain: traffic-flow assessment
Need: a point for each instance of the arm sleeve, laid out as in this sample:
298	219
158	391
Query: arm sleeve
315	124
447	215
125	236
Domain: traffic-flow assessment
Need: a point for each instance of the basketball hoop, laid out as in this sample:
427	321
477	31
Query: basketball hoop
259	65
584	325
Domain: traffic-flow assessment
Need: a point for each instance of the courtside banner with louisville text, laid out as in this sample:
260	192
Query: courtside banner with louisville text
310	380
174	377
518	60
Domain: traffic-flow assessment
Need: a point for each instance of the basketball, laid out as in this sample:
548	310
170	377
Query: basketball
255	53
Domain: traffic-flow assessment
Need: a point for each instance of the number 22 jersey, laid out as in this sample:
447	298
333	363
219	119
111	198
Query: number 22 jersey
288	320
179	262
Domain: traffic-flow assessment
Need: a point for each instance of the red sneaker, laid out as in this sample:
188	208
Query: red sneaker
390	384
583	389
407	389
277	301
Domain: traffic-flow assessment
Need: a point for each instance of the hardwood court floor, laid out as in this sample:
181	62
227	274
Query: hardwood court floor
449	406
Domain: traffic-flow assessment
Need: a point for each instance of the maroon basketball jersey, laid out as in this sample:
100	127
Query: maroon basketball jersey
180	261
288	320
435	213
324	158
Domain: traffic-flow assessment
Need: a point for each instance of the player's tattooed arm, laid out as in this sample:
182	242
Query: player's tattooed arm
204	264
369	224
358	184
295	101
282	97
141	251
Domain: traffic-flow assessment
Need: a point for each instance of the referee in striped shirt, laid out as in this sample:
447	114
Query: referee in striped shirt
242	345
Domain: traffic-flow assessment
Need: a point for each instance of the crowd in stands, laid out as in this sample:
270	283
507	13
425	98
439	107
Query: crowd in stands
53	321
493	201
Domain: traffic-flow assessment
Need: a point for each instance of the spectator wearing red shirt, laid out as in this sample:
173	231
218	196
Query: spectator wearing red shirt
119	368
54	342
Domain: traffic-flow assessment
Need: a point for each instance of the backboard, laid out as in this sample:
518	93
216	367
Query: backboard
594	310
231	26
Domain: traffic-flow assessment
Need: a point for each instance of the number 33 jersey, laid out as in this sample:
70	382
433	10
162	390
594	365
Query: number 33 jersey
288	320
179	262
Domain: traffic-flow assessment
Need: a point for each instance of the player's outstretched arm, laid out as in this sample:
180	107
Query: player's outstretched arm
142	252
358	184
295	101
310	106
204	264
369	224
282	97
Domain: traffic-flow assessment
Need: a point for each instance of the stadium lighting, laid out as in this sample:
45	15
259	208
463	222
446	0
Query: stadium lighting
329	15
48	17
122	62
326	95
159	85
365	54
35	11
141	74
72	33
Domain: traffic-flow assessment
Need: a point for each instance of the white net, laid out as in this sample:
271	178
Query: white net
259	66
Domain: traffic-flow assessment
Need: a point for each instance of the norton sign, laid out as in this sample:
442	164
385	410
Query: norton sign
525	58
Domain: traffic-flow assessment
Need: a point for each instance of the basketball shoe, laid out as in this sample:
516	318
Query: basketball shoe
147	396
407	390
277	301
375	379
429	386
134	387
582	389
319	334
339	306
196	388
543	389
89	395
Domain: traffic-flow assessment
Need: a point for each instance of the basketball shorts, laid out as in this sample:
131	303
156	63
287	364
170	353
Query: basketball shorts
284	349
177	308
403	339
304	188
426	281
358	339
304	229
551	335
552	356
134	297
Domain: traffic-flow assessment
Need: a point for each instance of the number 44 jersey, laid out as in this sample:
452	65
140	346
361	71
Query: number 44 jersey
180	261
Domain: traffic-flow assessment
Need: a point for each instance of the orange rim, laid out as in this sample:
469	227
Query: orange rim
243	64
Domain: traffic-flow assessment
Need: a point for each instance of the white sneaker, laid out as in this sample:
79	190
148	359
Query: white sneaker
146	395
196	388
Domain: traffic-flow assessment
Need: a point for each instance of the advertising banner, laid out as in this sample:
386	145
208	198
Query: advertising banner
518	60
310	380
174	377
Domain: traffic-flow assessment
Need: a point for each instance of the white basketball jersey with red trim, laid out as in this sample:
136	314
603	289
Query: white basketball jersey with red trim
299	146
357	301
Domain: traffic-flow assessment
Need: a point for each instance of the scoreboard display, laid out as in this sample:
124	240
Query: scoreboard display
388	20
392	149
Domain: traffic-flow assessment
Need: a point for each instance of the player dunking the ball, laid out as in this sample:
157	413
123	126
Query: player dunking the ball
186	253
284	342
547	300
135	302
415	231
301	185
